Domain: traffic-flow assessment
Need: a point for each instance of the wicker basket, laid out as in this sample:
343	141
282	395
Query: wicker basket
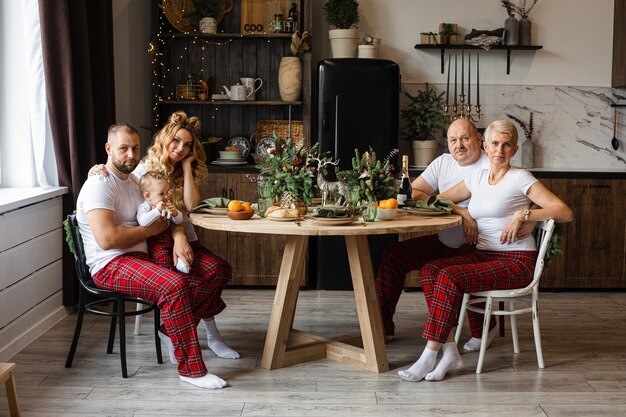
265	128
175	11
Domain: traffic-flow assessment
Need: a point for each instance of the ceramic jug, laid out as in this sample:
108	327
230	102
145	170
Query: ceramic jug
237	92
252	83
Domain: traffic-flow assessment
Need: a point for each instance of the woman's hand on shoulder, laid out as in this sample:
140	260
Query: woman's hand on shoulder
98	170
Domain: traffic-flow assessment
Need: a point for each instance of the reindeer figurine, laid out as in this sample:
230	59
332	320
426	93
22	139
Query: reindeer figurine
328	187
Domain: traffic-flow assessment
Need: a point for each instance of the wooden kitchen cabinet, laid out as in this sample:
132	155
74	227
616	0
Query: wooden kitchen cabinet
181	60
594	244
255	258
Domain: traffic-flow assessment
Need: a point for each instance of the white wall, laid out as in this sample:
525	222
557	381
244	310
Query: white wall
577	39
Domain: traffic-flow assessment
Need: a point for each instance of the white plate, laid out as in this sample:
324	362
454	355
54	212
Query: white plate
220	210
229	163
284	219
230	159
264	144
424	212
332	221
241	143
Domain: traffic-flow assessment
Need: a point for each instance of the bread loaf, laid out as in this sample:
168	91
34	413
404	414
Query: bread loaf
276	211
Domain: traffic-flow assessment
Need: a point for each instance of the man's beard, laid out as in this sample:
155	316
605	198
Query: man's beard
123	168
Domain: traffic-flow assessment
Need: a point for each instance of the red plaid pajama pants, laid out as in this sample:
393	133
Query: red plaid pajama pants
398	260
446	280
184	299
205	264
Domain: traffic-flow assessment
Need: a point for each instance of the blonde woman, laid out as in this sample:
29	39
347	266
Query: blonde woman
500	204
179	155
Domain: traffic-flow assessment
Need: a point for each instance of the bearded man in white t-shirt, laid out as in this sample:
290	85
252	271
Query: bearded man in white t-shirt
465	158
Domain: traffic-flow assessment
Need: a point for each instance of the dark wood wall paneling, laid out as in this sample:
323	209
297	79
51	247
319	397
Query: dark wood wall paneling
619	45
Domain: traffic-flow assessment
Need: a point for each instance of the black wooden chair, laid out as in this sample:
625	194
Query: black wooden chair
103	298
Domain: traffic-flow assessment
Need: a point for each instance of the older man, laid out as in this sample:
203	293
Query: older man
116	250
465	157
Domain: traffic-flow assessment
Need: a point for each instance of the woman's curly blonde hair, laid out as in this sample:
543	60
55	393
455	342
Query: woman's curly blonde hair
158	157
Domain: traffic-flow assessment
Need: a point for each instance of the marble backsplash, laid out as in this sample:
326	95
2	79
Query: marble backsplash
573	125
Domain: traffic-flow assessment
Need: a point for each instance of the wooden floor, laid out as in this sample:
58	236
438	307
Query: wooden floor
584	341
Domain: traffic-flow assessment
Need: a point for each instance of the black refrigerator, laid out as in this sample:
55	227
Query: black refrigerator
356	105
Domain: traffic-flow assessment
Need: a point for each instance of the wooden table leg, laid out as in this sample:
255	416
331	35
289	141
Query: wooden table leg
367	303
285	301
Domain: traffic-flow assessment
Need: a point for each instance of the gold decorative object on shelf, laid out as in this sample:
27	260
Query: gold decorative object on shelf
175	11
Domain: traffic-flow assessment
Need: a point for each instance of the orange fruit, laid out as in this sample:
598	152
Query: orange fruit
392	203
235	205
246	207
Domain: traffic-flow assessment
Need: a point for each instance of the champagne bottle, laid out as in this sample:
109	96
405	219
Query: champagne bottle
405	184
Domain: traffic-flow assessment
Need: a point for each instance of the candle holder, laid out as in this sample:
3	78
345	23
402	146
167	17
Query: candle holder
462	111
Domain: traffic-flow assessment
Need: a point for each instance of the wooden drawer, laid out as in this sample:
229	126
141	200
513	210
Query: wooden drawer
35	288
26	223
22	260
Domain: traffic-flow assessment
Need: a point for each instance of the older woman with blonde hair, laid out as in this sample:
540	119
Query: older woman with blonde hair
500	203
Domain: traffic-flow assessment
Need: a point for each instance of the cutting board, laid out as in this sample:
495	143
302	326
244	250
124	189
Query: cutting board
256	15
253	16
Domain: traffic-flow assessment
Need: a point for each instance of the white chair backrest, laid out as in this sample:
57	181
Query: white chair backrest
543	236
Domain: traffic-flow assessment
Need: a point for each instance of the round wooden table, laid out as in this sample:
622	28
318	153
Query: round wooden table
285	346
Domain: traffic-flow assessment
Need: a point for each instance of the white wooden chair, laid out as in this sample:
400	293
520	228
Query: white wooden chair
527	295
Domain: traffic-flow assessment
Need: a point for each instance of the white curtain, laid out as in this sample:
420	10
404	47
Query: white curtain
44	163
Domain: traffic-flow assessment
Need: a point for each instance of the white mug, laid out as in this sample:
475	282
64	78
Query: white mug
252	83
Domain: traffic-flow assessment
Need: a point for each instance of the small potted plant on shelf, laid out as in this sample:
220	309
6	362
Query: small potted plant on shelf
290	68
425	120
343	15
207	12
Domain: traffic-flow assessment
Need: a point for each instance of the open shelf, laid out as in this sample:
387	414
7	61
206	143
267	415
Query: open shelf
506	48
233	102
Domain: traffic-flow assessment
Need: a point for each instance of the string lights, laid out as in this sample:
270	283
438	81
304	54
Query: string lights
161	71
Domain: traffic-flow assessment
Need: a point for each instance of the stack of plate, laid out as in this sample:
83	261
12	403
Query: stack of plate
236	142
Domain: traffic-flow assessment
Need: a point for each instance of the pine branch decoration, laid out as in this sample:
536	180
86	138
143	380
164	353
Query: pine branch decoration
529	129
509	6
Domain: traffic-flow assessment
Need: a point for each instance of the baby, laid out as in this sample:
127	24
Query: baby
154	188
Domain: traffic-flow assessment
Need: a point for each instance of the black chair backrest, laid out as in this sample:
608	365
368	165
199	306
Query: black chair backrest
80	260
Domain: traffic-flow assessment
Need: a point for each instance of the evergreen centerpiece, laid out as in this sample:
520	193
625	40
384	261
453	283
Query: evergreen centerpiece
376	179
287	167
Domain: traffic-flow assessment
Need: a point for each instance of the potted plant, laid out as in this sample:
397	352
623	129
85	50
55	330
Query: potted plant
424	119
343	15
290	68
207	12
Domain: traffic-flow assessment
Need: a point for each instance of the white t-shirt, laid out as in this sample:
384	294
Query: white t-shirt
146	215
444	173
189	229
109	193
493	205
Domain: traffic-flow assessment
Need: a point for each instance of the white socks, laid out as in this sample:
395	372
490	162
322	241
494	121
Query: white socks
217	343
423	366
450	361
170	347
473	344
209	381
